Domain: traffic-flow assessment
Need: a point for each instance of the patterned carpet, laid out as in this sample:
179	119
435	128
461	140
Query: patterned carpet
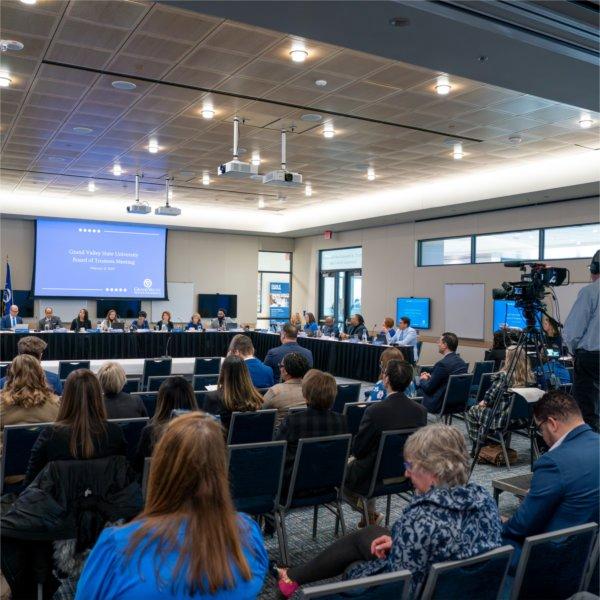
299	523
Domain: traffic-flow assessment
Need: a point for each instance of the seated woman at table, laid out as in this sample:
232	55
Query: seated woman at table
165	323
388	327
111	321
447	519
141	322
175	393
195	323
379	392
81	321
310	325
234	393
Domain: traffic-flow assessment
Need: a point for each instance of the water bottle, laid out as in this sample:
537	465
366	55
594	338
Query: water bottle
163	327
47	326
364	337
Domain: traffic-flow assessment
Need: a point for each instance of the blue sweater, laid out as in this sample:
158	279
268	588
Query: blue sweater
108	576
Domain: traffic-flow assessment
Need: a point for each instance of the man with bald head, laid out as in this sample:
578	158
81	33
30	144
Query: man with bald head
12	319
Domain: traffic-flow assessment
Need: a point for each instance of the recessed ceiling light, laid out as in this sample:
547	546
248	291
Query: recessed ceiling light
28	1
207	112
91	186
261	203
515	139
124	85
321	82
457	151
12	45
5	80
117	170
298	55
153	146
311	118
586	121
255	158
328	130
205	178
443	86
82	130
370	173
308	190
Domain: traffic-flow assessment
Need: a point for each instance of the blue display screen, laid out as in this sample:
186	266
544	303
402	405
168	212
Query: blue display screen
416	309
506	314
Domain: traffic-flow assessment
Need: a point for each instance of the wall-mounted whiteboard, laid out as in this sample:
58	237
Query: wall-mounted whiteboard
566	296
180	303
464	306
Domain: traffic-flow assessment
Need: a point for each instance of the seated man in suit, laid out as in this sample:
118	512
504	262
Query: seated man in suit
49	321
329	328
34	346
565	486
221	321
289	343
261	375
432	386
405	335
12	319
395	411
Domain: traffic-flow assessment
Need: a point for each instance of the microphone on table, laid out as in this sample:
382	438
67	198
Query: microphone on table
166	353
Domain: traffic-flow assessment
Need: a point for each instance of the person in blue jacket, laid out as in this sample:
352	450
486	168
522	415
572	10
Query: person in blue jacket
195	323
261	375
310	325
12	319
188	542
141	322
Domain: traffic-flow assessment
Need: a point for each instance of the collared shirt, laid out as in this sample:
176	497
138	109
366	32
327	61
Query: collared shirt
559	441
405	337
582	327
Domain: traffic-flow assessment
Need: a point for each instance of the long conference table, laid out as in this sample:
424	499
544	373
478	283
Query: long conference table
341	359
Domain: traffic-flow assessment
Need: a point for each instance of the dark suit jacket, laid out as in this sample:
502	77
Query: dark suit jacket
434	388
54	322
564	489
397	411
275	356
5	322
124	406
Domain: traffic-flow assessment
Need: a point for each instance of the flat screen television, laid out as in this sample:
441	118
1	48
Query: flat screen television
416	309
210	304
506	314
126	309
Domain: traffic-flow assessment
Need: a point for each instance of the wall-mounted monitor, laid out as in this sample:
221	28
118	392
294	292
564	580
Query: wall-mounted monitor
506	314
416	309
210	304
91	259
126	309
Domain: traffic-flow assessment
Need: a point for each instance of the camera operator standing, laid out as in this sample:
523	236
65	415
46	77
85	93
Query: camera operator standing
582	335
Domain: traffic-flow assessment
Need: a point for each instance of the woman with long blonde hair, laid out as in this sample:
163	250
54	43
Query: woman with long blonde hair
188	542
522	375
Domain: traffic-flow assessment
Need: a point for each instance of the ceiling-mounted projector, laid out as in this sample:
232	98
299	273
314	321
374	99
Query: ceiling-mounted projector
167	210
282	177
236	169
138	208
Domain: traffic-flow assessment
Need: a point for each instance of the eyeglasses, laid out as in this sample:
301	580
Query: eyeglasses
539	425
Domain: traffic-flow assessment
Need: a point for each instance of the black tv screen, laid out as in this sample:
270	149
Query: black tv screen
126	309
24	300
210	304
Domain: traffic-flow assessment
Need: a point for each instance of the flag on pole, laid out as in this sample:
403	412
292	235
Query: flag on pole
7	296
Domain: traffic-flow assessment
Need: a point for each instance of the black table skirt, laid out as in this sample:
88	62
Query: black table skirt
342	359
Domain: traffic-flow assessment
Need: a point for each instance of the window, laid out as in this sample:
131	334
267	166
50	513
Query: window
274	288
500	247
579	241
450	251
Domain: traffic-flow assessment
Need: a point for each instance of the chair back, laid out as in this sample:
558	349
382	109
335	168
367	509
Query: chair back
485	383
553	565
478	578
419	346
4	369
319	470
354	412
251	427
201	381
520	409
132	385
456	397
146	473
262	391
132	429
17	442
149	400
207	365
154	382
68	366
153	367
481	367
346	392
255	476
200	399
388	470
296	409
592	578
387	586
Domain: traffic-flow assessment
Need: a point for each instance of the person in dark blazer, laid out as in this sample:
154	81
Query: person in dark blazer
141	322
82	320
395	411
119	404
289	343
319	390
49	320
12	319
165	324
357	328
432	386
565	488
261	375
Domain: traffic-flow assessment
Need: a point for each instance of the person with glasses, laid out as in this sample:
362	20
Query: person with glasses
379	392
565	487
447	519
396	411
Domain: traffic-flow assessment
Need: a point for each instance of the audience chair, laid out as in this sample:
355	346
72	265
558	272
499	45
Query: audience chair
485	383
419	346
317	479
592	578
207	365
4	369
480	368
154	382
346	392
262	391
154	367
149	400
132	429
255	478
17	442
295	409
387	586
132	385
388	471
456	398
478	578
251	427
201	381
354	412
553	565
200	398
68	366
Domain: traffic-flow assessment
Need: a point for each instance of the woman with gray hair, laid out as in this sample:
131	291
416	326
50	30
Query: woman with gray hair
119	404
448	519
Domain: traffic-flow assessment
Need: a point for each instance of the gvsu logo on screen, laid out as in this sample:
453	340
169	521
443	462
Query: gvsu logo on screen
147	290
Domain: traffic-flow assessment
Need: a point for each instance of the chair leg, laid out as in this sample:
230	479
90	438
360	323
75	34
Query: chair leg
504	451
365	510
285	552
388	509
315	520
341	519
280	539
